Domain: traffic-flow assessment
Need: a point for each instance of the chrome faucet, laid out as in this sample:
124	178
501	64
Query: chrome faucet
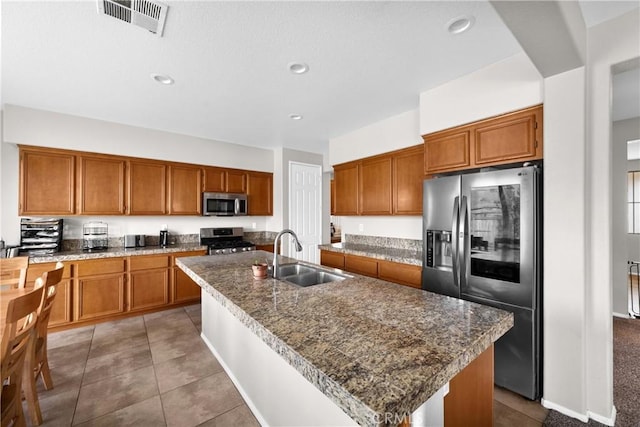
275	248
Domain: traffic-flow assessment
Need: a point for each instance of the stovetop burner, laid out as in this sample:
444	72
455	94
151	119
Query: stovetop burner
225	240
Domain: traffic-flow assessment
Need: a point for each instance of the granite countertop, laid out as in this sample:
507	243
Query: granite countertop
371	346
404	256
78	255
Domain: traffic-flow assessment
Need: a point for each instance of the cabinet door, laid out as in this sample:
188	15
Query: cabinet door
260	193
236	181
346	182
361	265
98	296
62	304
147	184
101	186
375	186
184	289
215	179
333	197
408	177
185	190
447	151
148	288
508	138
404	274
47	183
332	259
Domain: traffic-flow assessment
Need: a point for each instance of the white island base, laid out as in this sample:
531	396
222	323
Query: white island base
276	393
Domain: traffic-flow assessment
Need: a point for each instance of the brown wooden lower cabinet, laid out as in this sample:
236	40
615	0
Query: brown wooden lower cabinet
470	398
148	284
98	296
61	312
403	274
183	289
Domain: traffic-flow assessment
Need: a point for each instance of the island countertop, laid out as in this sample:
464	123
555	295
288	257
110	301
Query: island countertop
371	346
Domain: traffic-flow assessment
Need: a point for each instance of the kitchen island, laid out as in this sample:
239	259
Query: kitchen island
375	350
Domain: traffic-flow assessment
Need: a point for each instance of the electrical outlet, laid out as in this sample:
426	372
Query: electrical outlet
360	227
253	225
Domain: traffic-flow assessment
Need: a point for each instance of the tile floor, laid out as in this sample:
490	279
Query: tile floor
154	370
151	370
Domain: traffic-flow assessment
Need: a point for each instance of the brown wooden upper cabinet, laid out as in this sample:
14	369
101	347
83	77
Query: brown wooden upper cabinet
47	182
185	184
260	193
374	186
147	182
386	184
509	138
65	182
101	185
333	197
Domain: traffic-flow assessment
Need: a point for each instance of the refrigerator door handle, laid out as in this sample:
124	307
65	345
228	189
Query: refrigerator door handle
463	236
454	242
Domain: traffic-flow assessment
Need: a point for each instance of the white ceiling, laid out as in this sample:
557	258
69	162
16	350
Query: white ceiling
368	61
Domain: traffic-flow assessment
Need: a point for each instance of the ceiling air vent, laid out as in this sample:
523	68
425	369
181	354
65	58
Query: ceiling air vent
147	14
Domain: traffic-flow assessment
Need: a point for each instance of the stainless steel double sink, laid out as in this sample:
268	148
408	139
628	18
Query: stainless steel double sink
307	275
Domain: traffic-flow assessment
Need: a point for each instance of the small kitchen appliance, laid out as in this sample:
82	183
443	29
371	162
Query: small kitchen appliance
134	241
95	236
225	240
164	237
39	236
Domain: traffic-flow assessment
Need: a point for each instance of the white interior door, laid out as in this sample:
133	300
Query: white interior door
305	210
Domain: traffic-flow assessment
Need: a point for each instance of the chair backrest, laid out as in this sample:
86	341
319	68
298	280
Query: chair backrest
22	314
48	281
13	271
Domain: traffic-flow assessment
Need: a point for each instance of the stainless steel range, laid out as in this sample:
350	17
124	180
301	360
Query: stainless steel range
226	240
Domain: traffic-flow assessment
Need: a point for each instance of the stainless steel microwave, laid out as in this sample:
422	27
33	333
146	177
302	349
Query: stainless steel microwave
224	204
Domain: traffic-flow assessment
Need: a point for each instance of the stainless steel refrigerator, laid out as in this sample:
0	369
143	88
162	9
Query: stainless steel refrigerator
482	243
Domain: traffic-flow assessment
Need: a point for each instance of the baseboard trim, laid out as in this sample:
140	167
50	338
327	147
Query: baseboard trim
235	381
621	315
565	411
608	421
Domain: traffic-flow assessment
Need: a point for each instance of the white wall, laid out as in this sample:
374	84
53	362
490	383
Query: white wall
48	129
508	85
564	311
609	43
394	133
625	245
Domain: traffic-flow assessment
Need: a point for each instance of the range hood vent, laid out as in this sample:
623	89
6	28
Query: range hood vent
148	14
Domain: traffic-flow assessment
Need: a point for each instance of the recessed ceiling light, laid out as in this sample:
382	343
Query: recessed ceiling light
298	67
295	116
460	24
163	79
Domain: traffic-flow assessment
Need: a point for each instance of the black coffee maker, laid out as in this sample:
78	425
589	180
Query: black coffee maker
164	237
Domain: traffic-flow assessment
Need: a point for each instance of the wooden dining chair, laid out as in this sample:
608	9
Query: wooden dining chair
17	340
37	362
13	271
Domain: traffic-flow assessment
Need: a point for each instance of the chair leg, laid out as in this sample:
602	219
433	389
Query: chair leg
46	374
31	395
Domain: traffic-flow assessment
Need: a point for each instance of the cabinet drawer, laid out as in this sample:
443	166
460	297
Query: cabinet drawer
100	266
361	265
185	254
36	270
405	274
148	262
332	259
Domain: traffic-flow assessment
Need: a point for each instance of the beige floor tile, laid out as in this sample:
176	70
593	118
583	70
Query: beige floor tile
504	416
114	343
161	332
112	394
177	346
57	410
72	336
163	314
118	363
186	369
123	328
237	417
147	413
530	408
199	401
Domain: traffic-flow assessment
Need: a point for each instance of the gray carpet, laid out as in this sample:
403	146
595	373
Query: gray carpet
626	379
